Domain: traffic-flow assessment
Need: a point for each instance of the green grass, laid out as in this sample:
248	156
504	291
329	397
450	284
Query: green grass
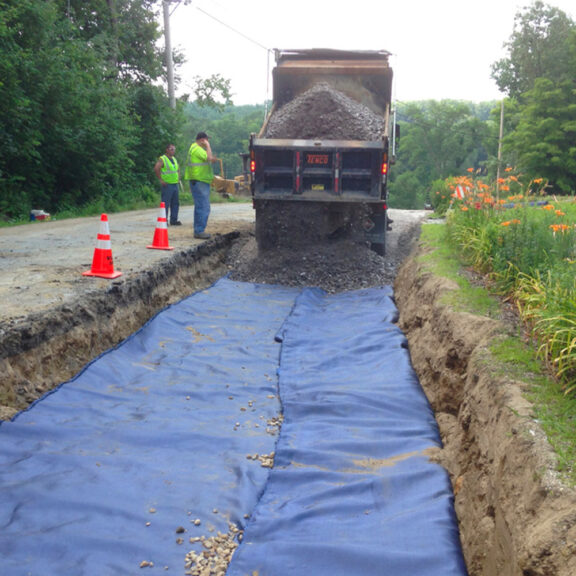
444	261
511	356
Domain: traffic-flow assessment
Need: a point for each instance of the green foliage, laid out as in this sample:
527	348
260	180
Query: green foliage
538	74
213	92
439	139
539	47
527	245
444	261
75	131
408	192
440	196
157	125
545	137
123	33
512	355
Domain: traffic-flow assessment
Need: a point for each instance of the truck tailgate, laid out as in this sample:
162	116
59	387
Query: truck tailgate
316	170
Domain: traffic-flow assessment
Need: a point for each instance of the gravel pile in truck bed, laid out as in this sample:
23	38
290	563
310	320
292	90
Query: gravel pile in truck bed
325	113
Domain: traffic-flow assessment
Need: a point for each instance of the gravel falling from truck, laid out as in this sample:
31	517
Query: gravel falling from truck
336	266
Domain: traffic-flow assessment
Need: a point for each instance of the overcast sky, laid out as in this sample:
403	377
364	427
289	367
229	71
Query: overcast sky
442	49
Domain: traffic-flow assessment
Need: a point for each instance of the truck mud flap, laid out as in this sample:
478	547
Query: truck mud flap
376	228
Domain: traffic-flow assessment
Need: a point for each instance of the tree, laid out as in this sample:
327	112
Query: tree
538	48
439	139
124	32
214	92
545	137
76	127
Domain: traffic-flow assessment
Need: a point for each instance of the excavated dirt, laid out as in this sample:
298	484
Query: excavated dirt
516	516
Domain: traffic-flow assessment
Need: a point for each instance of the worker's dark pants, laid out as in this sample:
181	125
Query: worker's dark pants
201	194
171	200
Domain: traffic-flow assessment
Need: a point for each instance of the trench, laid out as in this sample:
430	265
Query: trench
515	517
51	347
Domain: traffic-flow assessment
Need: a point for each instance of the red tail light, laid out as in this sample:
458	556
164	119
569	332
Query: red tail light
252	166
384	168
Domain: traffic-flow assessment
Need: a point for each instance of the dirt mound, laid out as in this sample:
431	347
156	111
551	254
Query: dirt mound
325	113
336	265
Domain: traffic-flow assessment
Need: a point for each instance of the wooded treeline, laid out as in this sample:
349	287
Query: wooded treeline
538	77
84	113
81	111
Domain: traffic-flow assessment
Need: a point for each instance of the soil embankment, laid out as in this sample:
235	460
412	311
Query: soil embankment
516	517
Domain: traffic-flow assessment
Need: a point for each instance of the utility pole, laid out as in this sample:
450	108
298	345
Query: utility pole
500	150
168	48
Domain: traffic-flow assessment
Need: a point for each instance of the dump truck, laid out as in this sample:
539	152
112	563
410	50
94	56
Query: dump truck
319	164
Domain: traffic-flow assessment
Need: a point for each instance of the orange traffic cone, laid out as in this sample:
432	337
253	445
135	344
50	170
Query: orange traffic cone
103	263
160	241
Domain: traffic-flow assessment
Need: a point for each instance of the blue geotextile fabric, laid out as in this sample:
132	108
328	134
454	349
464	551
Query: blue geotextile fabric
113	468
352	490
100	475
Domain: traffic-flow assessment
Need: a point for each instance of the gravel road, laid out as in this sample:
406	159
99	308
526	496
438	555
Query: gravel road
41	263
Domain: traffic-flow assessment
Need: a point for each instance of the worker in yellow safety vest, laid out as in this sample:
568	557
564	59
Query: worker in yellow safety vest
200	174
167	172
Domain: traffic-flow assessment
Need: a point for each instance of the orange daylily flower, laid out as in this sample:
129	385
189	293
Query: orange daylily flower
559	227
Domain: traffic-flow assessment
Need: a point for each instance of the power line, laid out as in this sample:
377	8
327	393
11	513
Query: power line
234	30
249	39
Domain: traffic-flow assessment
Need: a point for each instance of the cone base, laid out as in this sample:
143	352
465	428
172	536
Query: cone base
160	247
109	275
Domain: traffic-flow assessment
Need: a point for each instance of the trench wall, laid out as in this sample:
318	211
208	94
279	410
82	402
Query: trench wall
51	347
516	517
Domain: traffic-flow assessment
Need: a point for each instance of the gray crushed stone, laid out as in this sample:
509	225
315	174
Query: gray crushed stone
336	266
325	113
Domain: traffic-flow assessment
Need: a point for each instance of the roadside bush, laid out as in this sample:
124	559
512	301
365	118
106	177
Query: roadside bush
440	196
525	243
